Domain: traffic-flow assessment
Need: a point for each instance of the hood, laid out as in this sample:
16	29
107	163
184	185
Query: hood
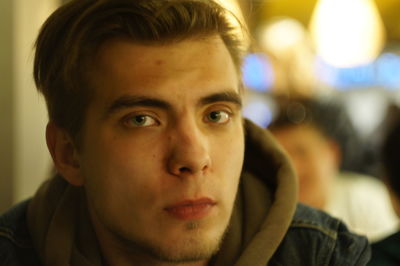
265	203
62	234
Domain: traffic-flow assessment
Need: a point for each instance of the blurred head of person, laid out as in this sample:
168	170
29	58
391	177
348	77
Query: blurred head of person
309	130
390	155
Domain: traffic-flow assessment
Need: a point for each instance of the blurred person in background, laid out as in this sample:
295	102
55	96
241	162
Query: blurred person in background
386	252
314	133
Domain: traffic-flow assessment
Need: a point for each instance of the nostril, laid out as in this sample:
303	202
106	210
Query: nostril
188	165
184	170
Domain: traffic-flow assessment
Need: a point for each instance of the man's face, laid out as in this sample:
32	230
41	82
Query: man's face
163	146
315	159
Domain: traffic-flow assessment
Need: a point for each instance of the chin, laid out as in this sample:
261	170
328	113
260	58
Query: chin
194	244
188	250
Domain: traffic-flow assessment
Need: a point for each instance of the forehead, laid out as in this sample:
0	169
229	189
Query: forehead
127	65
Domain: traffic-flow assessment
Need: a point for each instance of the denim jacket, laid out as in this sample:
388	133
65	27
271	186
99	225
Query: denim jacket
314	238
16	248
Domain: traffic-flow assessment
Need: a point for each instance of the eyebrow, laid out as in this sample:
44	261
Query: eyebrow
129	101
227	96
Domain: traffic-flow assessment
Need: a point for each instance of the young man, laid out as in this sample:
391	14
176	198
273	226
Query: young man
156	164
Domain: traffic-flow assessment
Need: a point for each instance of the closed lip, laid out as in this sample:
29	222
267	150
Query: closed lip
191	209
189	202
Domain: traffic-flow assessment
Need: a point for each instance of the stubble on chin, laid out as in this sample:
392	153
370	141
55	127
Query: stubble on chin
198	247
193	225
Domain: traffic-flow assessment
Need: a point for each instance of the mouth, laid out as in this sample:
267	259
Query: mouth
191	209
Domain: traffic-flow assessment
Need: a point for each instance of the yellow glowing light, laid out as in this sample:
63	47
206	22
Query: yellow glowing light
281	35
347	32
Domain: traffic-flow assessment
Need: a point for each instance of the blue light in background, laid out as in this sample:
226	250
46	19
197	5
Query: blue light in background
389	70
383	72
257	72
361	76
258	112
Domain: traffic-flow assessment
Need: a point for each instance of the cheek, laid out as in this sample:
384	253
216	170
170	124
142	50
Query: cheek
230	148
119	188
227	161
113	168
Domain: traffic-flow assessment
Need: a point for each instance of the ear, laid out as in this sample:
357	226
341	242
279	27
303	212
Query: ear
64	154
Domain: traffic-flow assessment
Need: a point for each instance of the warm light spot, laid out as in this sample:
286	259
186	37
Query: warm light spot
347	32
281	35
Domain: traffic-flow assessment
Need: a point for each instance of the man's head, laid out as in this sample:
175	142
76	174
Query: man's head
307	129
152	87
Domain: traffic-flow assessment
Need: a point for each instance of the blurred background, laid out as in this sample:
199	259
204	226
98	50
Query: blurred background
346	51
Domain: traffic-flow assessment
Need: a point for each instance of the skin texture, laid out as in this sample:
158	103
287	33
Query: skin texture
164	126
315	158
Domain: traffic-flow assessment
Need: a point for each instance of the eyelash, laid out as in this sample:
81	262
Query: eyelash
227	115
128	121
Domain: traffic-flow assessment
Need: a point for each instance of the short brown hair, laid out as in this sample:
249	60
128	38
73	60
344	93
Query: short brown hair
71	36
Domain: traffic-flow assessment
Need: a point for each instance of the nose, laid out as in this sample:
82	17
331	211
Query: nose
189	151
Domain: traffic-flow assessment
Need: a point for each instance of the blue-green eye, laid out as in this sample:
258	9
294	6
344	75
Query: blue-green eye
220	117
140	121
